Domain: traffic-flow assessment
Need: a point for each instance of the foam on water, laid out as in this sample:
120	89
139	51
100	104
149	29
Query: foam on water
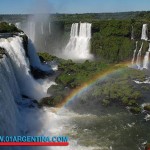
21	66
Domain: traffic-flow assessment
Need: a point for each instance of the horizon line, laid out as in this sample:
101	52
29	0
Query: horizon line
75	13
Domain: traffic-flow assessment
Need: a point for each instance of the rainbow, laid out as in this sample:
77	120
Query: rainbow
100	76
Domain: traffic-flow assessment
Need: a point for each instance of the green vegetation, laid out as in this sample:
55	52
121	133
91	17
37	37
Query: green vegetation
111	32
135	110
58	93
118	88
8	28
111	43
46	57
111	39
147	107
74	74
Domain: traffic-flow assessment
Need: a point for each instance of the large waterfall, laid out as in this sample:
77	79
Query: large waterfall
134	54
146	59
21	66
17	118
137	55
139	59
9	95
144	35
18	115
78	46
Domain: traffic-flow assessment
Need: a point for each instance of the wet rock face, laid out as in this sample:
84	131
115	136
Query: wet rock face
25	43
2	52
38	74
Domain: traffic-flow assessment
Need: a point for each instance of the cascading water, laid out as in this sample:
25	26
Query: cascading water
27	84
53	121
139	61
9	95
78	46
146	59
134	54
35	121
144	35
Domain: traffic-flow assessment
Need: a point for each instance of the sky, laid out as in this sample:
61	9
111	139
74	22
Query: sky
71	6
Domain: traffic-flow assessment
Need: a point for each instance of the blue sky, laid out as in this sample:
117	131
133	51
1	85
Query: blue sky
71	6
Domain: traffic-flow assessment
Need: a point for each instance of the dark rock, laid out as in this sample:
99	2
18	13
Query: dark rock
51	101
147	147
135	110
42	59
2	52
25	43
147	107
37	73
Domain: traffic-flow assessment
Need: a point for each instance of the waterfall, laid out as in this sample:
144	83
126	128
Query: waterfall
139	61
78	46
17	118
21	66
134	54
146	59
144	35
9	95
74	30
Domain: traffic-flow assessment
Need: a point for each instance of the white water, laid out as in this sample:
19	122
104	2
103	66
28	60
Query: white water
23	120
78	47
21	66
50	121
9	94
134	54
146	59
144	35
139	61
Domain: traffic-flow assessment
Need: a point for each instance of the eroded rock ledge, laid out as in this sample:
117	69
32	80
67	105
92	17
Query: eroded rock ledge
2	52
